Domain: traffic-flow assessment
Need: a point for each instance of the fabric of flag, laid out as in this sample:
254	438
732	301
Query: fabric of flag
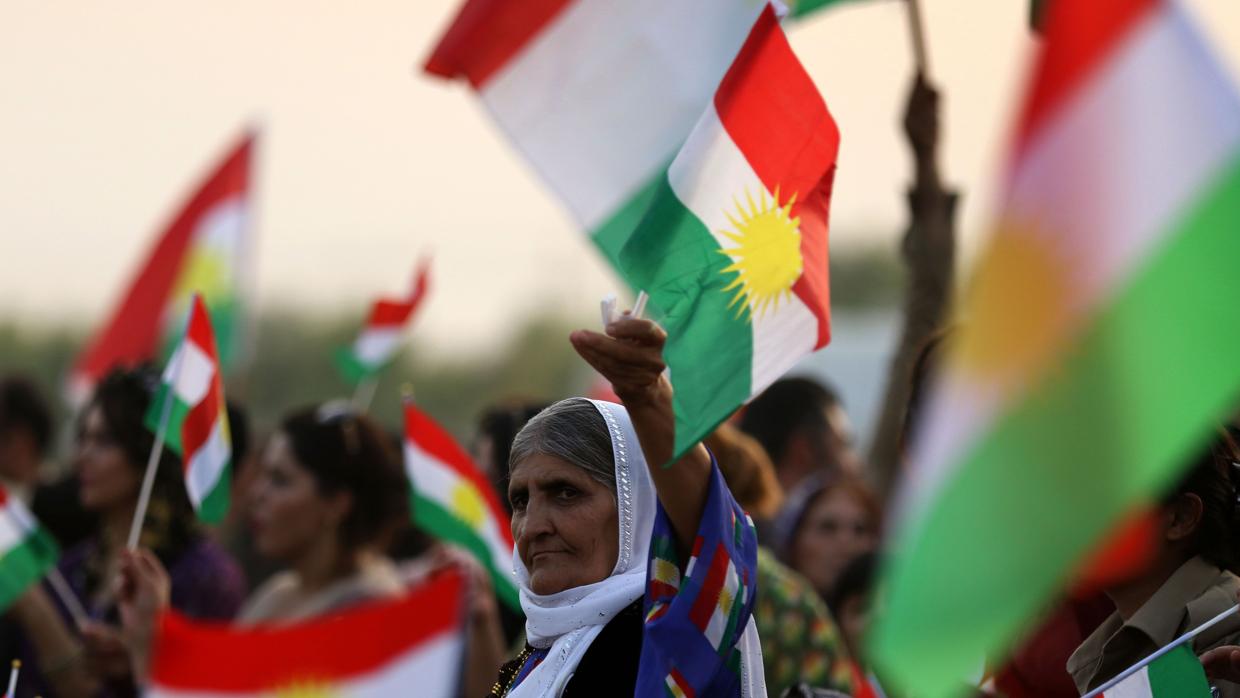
380	338
197	426
571	84
27	550
453	501
409	646
733	250
801	8
1176	674
205	249
694	623
1095	357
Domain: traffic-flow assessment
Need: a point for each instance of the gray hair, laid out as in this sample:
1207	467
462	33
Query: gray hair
573	431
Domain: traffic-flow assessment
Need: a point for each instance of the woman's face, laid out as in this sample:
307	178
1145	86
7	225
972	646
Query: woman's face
565	524
107	478
288	514
836	529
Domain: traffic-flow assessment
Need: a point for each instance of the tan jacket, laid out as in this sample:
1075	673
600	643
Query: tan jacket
1197	592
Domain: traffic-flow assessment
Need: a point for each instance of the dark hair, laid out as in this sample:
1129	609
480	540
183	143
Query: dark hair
574	431
783	409
1213	478
857	579
925	365
23	406
500	423
348	452
238	436
123	397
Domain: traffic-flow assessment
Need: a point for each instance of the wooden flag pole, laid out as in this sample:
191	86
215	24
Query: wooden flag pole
365	393
918	28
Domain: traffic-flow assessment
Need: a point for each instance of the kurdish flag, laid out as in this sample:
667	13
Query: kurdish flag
380	338
452	500
205	249
197	426
597	95
1096	354
1176	674
410	646
27	551
733	250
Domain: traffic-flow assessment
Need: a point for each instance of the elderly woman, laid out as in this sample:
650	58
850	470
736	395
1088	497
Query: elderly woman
636	572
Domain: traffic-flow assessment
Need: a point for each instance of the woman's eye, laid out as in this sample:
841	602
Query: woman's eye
517	501
568	493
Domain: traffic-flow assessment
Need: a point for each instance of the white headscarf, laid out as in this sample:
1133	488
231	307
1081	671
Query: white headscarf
568	621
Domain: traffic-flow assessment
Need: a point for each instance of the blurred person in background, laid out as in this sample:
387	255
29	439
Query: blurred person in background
234	532
1189	579
329	494
113	445
800	640
850	603
804	429
832	522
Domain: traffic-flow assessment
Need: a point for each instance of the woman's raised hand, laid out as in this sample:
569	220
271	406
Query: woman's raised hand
630	355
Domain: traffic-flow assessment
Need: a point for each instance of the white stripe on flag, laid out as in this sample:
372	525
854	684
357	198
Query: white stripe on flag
1135	686
723	608
376	345
436	482
195	373
578	101
12	529
206	465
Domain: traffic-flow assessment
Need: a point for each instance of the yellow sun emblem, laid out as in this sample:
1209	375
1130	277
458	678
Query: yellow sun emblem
468	505
767	257
306	689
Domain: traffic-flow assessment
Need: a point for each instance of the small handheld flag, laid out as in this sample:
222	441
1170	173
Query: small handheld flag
27	550
190	403
454	502
380	338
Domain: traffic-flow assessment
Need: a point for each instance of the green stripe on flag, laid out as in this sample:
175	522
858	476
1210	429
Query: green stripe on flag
1178	673
442	524
180	410
612	235
215	505
354	371
709	349
1114	425
801	8
26	564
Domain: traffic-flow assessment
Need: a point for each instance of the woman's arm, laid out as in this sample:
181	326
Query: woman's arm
630	355
61	655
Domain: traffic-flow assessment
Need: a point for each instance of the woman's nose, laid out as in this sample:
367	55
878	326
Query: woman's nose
537	521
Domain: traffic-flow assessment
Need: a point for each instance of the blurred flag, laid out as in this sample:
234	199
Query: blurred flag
1097	353
197	428
801	8
598	95
27	551
453	501
410	646
380	338
1176	674
733	250
203	250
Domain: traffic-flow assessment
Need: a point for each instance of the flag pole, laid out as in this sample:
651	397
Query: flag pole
1163	650
17	665
60	586
919	37
152	461
365	393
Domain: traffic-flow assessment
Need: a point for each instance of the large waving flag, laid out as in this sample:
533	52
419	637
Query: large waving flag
411	646
205	249
380	338
733	250
597	95
197	426
27	550
1096	354
454	502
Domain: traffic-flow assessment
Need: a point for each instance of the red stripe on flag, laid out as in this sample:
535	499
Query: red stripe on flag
439	444
681	683
196	428
769	106
486	34
132	333
708	597
1080	36
387	312
194	655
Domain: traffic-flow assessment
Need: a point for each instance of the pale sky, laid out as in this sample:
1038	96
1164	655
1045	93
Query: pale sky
109	112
